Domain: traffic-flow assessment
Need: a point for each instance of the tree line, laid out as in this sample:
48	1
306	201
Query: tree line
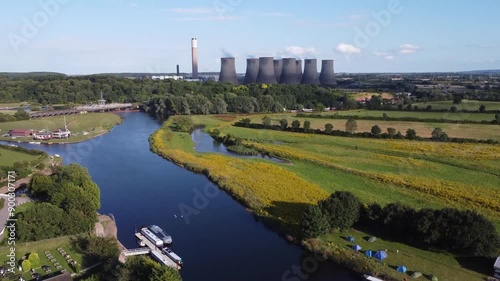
350	131
455	231
67	204
386	117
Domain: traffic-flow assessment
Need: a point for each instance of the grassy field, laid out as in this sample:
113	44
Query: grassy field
7	157
13	104
364	95
415	114
470	105
472	131
441	265
39	247
93	123
419	174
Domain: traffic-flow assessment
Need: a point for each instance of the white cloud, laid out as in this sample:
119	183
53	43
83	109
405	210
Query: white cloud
408	49
385	55
192	11
276	14
347	49
300	52
389	57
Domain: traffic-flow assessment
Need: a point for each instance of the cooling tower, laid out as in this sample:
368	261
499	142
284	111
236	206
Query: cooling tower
289	73
252	71
310	75
266	71
228	71
299	69
194	53
278	68
327	76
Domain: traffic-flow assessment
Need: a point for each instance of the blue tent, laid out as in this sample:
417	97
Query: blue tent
369	253
380	255
350	239
401	268
356	247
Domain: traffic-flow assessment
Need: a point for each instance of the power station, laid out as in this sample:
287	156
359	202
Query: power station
267	70
194	54
252	71
228	71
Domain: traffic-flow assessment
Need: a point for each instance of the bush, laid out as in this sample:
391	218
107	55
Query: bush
26	265
342	209
34	260
314	223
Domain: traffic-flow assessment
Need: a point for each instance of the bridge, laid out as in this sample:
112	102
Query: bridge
136	251
82	109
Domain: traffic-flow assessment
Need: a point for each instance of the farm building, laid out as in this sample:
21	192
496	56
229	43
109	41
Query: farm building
20	133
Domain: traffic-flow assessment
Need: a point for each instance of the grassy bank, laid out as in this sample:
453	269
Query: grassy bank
419	174
93	124
8	157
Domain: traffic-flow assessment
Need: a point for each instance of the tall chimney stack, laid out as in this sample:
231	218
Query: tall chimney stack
194	52
178	72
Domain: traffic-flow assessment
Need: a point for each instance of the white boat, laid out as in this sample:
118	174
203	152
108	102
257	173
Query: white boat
151	237
34	142
165	237
172	255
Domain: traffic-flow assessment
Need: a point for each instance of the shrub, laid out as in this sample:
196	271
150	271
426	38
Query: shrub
313	222
34	260
26	265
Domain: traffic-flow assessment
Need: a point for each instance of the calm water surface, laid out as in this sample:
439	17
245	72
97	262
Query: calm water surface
216	237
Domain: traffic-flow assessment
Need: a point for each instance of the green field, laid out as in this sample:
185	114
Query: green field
424	129
8	157
470	105
419	174
415	114
93	123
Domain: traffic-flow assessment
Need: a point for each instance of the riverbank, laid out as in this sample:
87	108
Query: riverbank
83	127
176	147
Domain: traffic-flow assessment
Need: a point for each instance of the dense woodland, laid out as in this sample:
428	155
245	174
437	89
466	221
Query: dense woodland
67	204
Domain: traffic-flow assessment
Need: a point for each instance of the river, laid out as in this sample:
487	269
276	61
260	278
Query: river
216	237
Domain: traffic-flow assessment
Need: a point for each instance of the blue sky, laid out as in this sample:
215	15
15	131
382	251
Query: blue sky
96	36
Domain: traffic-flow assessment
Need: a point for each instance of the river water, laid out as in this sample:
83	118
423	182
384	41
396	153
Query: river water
216	237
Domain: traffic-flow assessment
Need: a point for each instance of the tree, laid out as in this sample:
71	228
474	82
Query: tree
429	107
453	109
266	121
328	128
351	125
313	222
26	265
411	134
21	115
385	116
319	107
307	126
482	108
246	122
376	130
296	125
436	134
457	99
34	260
391	132
183	123
283	124
342	209
40	185
497	118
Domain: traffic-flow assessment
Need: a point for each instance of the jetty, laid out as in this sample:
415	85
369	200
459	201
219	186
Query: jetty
154	251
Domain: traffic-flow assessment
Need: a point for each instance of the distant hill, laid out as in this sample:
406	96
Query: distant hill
486	72
30	74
